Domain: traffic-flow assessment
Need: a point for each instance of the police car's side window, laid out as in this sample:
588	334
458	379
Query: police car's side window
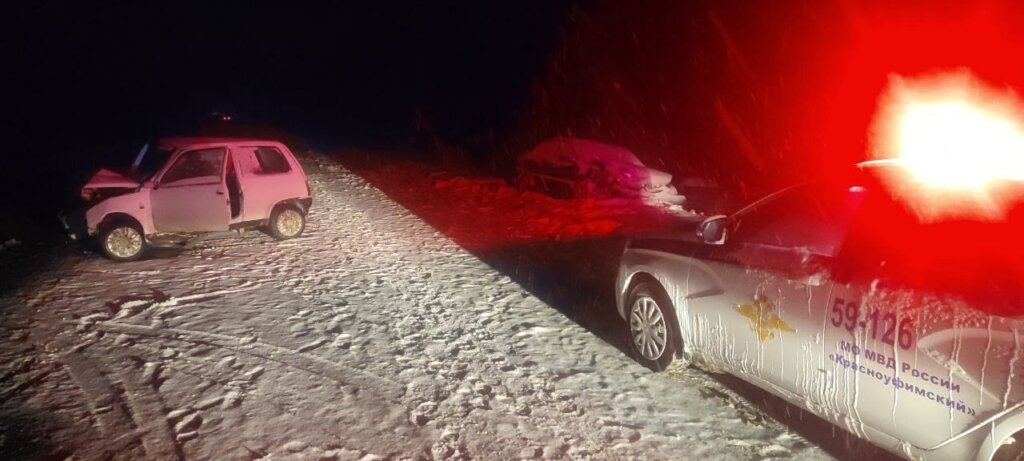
807	218
765	224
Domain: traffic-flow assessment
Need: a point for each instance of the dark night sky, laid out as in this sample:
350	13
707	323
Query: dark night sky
748	89
338	72
87	83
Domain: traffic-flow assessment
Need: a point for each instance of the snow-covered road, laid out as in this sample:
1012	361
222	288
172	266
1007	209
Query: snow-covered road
372	336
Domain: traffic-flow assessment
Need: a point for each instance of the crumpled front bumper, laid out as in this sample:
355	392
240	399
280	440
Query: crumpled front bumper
74	223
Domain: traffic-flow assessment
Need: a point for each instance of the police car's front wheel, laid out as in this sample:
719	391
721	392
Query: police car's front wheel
652	326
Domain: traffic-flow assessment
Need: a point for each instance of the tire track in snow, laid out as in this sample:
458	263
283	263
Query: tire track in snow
114	420
288	357
99	393
27	379
149	414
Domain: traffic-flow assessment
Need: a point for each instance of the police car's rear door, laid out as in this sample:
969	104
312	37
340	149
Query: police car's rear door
908	355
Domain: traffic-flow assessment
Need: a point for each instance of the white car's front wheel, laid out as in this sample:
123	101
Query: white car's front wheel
652	326
122	241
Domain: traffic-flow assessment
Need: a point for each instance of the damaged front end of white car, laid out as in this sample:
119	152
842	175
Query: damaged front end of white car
103	185
578	168
107	183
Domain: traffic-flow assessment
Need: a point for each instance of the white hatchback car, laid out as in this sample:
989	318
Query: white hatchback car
179	188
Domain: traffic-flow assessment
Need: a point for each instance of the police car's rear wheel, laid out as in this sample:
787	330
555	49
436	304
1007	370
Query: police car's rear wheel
1012	449
652	326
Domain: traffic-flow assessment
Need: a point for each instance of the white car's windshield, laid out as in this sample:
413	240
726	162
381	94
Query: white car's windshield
149	161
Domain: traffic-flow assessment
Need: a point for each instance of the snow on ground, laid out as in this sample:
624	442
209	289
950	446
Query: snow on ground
372	336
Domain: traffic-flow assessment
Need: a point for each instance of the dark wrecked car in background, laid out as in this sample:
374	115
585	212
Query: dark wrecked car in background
839	298
182	188
569	167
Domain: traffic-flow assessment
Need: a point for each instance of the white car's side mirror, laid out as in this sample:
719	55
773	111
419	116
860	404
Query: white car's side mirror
712	230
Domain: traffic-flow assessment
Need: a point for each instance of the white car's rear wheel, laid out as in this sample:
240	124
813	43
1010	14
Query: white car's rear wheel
286	222
652	326
122	241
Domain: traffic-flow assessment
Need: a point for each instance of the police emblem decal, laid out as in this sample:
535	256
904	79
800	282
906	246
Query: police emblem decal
764	319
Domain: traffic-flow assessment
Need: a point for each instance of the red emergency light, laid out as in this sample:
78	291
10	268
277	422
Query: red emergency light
958	140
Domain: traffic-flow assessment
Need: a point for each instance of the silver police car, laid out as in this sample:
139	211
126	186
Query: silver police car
840	299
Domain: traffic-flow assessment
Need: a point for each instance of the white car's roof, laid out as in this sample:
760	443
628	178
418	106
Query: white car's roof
180	141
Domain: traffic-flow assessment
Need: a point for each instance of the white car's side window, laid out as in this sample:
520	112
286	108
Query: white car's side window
203	166
258	161
271	161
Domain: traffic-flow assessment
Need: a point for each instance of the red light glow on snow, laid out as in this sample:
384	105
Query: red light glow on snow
952	134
